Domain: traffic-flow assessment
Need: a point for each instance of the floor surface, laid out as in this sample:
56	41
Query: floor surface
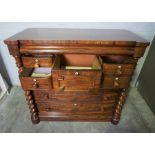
15	117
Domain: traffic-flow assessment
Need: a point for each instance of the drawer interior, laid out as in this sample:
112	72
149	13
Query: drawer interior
117	59
77	62
36	72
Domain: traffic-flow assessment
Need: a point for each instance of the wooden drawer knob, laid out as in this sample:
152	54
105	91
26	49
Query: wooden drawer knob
119	66
76	73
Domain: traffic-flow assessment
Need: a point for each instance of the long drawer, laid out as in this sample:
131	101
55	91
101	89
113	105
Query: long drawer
76	107
78	97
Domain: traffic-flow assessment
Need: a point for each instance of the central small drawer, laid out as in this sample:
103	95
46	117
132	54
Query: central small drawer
74	72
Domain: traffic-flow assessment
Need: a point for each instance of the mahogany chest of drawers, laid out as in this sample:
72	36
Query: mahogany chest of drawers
76	74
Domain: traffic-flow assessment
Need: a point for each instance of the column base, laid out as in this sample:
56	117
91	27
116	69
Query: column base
114	121
35	120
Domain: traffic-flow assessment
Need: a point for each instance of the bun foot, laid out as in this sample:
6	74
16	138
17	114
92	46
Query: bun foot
35	120
114	121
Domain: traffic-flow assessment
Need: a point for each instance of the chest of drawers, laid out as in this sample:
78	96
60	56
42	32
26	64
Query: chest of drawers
75	74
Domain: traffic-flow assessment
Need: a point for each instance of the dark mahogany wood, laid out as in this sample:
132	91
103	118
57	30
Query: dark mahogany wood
94	94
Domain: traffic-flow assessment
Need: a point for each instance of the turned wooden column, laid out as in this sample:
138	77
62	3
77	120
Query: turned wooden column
29	97
119	106
32	106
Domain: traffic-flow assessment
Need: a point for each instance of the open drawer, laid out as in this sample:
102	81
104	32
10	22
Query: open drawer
118	65
32	81
73	72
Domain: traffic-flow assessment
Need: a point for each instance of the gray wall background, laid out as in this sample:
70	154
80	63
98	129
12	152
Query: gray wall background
145	30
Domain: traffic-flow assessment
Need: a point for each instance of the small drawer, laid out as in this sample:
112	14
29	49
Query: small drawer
33	83
116	82
35	62
76	107
118	69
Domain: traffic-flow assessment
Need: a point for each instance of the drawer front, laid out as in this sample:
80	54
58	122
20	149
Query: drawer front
116	82
49	96
76	80
34	62
29	83
76	107
118	69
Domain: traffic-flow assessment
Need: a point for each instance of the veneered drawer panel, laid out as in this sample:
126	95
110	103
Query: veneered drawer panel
46	96
35	62
81	107
116	82
118	69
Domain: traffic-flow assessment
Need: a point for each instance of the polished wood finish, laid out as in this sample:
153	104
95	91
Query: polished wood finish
94	94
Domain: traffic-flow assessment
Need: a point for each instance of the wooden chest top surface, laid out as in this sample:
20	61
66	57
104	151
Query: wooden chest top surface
83	36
